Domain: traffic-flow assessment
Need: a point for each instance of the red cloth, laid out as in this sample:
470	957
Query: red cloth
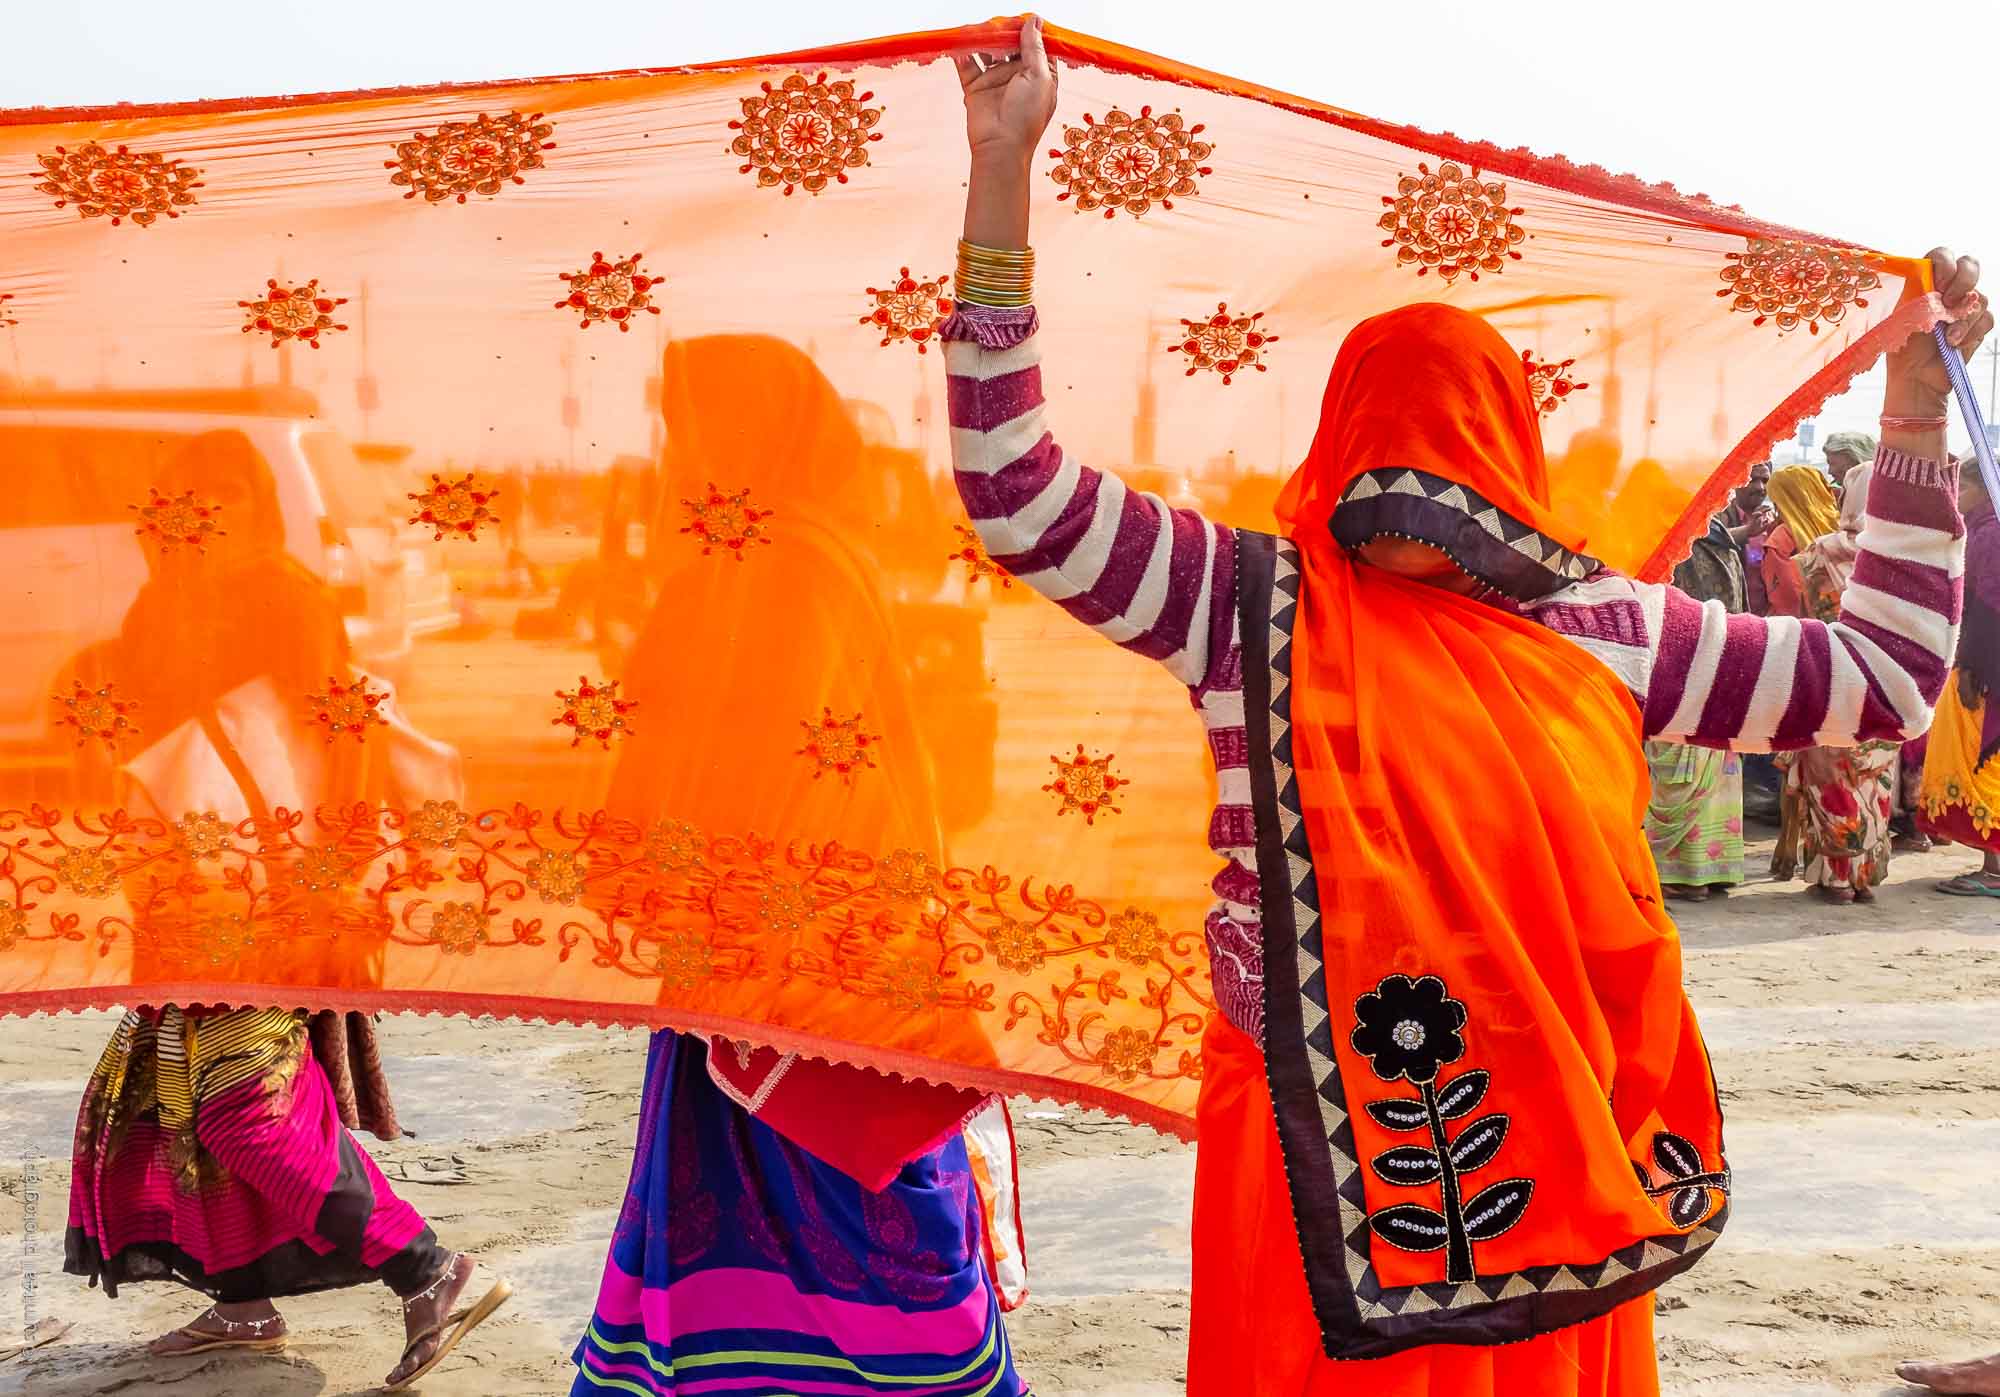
820	1107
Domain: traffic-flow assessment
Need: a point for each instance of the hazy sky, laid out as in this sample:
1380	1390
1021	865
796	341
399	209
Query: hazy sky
1877	125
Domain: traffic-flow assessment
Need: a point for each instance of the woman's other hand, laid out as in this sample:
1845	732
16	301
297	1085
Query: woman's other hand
1009	99
1918	384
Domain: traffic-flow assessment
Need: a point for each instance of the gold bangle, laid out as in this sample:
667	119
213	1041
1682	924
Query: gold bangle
971	251
1002	278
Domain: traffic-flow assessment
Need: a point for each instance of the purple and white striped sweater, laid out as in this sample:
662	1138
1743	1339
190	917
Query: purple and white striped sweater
1161	581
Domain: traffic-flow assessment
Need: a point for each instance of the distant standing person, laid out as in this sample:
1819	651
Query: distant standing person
1960	792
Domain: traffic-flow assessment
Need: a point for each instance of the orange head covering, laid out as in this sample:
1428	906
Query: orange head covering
1429	431
1487	925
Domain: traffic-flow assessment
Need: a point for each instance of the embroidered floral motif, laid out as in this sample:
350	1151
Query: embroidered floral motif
459	928
481	156
672	845
979	563
1692	1191
227	936
121	183
1225	344
1408	1030
299	313
178	520
437	824
609	291
350	708
1550	382
909	309
805	134
684	960
321	868
1135	936
728	521
203	836
1017	946
1130	162
595	711
1796	283
13	925
456	507
906	875
839	745
1126	1053
555	875
87	872
787	906
1450	223
1086	785
913	984
97	714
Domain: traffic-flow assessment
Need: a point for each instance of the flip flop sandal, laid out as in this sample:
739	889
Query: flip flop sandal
1966	886
210	1342
456	1326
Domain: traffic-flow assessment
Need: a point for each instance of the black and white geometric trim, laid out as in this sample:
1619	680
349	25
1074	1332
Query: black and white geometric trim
1358	1316
1498	549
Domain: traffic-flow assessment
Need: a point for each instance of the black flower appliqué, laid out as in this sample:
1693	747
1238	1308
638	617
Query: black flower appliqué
1408	1029
1688	1186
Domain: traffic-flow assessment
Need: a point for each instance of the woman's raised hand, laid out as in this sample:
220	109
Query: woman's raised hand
1009	99
1918	384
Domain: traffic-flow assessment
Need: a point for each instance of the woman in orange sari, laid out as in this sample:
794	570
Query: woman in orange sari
1456	1121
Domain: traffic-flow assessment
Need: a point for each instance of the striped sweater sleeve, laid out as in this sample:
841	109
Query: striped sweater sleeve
1155	579
1757	683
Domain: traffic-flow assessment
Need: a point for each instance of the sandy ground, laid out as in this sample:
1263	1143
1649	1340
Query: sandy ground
1856	1051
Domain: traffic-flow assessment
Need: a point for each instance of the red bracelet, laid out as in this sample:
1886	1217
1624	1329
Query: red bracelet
1916	424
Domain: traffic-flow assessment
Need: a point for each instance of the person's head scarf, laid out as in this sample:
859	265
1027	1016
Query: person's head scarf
1857	445
1804	502
1472	789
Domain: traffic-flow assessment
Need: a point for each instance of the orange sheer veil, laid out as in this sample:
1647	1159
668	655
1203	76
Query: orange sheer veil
1473	788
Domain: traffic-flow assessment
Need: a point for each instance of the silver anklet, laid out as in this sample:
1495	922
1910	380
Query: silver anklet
429	1292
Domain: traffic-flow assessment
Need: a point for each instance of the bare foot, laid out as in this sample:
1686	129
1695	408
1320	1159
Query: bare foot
1978	1378
437	1317
255	1325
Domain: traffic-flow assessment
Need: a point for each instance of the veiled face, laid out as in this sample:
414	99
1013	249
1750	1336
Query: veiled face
1417	562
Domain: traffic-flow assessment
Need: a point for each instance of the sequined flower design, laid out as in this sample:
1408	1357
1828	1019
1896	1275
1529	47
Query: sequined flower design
806	133
1135	936
13	925
203	835
97	715
594	710
726	520
609	292
321	868
1449	222
915	984
1796	283
437	824
1224	344
1126	1053
178	521
118	183
1408	1029
672	845
1017	946
87	872
1085	785
906	874
909	309
556	875
979	563
302	312
838	745
481	156
684	960
459	928
225	936
787	906
455	508
1130	162
1689	1186
1550	382
348	708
